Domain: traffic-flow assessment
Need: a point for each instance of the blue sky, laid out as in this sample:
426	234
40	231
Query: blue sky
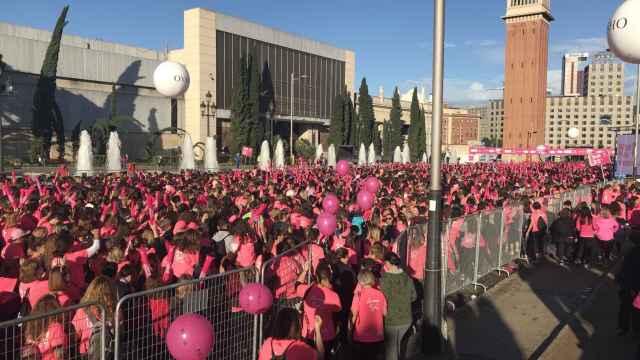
391	38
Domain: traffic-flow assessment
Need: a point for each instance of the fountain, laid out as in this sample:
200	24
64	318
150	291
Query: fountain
188	161
362	155
84	165
279	155
331	156
372	154
406	154
319	153
397	155
264	159
424	157
114	163
210	155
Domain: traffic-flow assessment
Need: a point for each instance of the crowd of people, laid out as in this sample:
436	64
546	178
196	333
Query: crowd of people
74	240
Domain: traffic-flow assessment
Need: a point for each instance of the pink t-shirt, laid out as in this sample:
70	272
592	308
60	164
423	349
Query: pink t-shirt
37	289
417	260
291	349
585	230
286	271
322	302
83	327
369	307
75	261
605	228
184	263
55	337
535	216
246	254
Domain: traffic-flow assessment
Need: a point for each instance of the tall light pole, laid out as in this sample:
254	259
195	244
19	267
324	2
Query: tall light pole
529	133
293	79
208	109
433	307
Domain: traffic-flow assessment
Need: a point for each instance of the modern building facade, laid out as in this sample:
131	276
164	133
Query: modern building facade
491	120
96	80
214	45
572	77
525	86
604	76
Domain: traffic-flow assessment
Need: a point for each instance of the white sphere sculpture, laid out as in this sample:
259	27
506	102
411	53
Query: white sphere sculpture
171	79
624	31
573	133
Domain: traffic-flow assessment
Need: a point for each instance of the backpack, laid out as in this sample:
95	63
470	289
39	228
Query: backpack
95	340
542	225
282	356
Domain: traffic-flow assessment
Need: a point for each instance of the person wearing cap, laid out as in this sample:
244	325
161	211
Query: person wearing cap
399	290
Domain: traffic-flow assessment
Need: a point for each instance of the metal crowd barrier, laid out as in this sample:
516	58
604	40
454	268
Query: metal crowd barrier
279	274
145	317
63	334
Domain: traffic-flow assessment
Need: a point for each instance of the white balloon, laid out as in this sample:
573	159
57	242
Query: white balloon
573	133
171	79
624	31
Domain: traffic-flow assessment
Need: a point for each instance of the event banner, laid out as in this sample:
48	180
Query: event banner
624	155
542	150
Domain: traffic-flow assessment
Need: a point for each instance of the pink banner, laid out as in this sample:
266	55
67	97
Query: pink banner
481	150
247	151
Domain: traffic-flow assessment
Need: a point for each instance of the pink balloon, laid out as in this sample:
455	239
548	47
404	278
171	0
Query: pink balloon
371	184
327	223
190	337
342	167
331	204
364	199
255	298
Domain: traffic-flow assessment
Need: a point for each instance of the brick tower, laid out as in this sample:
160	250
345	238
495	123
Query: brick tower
525	71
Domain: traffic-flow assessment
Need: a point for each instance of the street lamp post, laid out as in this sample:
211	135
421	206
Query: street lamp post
529	134
433	307
208	110
293	79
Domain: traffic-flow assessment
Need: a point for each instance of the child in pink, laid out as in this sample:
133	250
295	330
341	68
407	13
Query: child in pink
368	309
605	227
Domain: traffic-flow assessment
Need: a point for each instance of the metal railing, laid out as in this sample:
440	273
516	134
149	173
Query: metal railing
145	317
279	274
62	334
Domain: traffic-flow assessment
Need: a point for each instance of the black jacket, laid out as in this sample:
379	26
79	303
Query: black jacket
629	276
563	228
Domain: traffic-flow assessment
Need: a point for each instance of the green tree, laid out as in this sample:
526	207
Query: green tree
240	110
395	123
336	128
255	121
47	117
421	143
365	115
377	138
414	126
387	145
351	118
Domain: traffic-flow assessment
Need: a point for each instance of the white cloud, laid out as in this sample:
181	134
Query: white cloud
429	44
460	91
589	45
488	51
449	45
481	43
554	81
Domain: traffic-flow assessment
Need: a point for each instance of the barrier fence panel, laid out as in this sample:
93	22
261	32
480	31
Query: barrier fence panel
512	233
67	333
462	239
280	274
489	242
145	317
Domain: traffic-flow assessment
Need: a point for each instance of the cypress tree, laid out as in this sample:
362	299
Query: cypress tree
395	123
255	122
47	116
387	145
353	121
377	138
239	110
336	128
414	125
421	144
365	114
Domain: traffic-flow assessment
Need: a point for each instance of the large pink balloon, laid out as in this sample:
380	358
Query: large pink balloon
327	224
371	184
364	199
331	204
342	167
190	337
255	298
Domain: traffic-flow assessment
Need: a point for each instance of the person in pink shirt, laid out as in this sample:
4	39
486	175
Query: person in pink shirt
368	309
319	299
33	282
585	249
537	231
605	227
46	337
285	341
99	291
